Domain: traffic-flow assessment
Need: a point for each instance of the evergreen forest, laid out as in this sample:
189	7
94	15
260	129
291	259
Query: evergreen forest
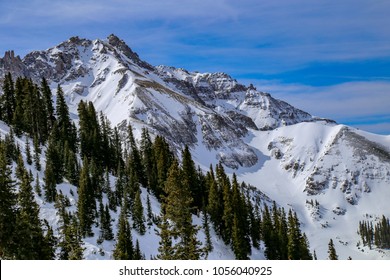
110	168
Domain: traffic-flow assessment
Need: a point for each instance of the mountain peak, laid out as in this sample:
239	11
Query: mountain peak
122	47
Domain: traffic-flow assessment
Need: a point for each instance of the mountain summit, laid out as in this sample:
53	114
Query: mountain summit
211	109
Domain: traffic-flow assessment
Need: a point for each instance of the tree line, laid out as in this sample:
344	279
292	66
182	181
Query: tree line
378	234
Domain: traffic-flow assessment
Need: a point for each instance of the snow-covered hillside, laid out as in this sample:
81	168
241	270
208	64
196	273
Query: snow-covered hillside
291	156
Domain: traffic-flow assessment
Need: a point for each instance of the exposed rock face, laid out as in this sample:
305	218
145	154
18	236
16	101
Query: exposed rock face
13	64
368	162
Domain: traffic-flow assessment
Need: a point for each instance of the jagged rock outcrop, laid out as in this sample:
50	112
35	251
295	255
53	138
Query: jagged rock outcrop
188	108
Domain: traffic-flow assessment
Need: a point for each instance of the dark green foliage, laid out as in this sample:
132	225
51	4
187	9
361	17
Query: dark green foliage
28	152
86	202
32	244
177	209
190	178
163	158
138	214
50	184
66	130
7	100
37	186
70	242
124	249
105	223
37	152
137	252
332	255
48	104
55	155
282	236
378	235
8	207
240	230
149	213
206	227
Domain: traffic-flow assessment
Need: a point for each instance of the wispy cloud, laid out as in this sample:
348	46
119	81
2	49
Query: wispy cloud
285	40
293	33
360	104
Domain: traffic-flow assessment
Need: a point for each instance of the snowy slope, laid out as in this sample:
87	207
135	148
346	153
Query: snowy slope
295	154
286	153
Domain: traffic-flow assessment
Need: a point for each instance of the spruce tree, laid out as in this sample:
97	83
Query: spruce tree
240	228
332	255
31	241
7	99
50	184
215	207
8	208
206	227
85	202
138	214
28	152
48	103
149	213
190	178
137	252
124	249
37	186
148	160
178	211
37	152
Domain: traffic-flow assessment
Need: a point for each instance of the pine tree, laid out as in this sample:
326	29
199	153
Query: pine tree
18	118
37	186
294	237
8	208
135	161
85	202
28	152
66	129
50	184
190	178
71	245
137	252
228	212
50	242
332	251
206	227
138	214
105	223
164	158
215	206
178	211
267	235
48	104
165	248
240	228
37	152
8	99
148	160
31	241
149	213
124	249
54	155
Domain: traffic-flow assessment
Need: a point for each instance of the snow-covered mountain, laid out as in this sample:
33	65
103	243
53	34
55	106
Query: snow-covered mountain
290	155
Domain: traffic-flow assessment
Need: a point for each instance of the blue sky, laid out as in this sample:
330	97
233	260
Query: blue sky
330	58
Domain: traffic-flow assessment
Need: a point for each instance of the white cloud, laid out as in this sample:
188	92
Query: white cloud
362	104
